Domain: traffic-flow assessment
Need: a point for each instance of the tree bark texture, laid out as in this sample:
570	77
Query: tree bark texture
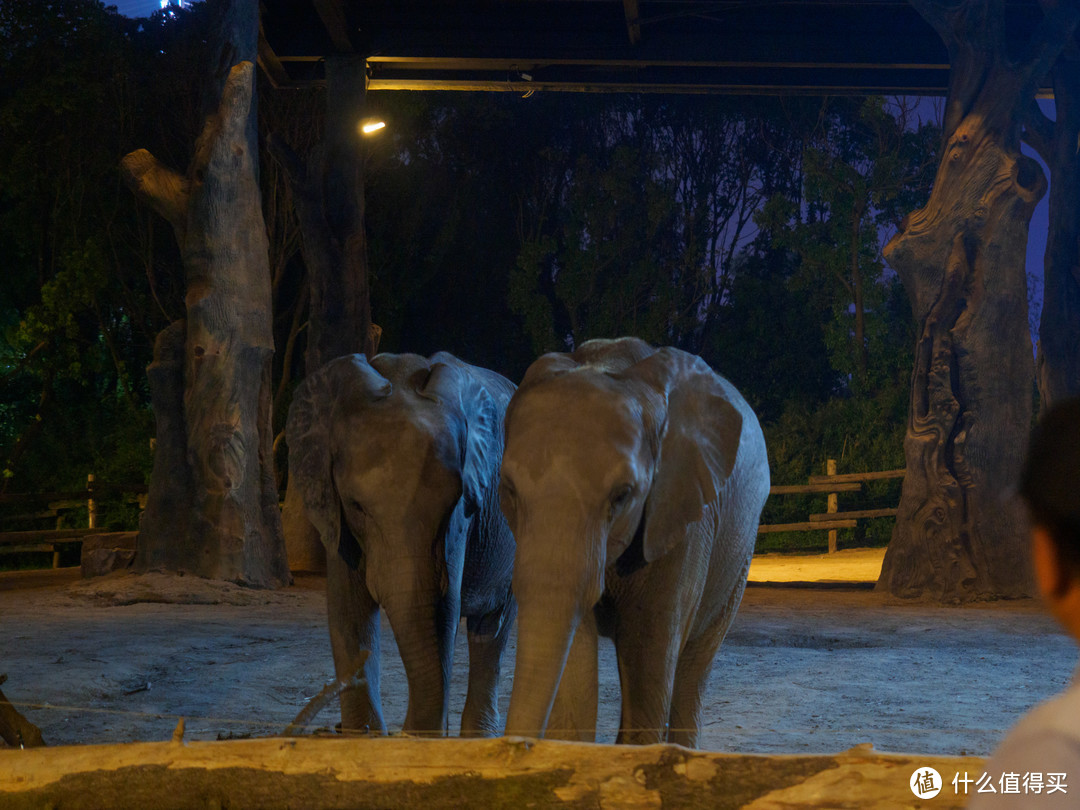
213	506
328	191
165	524
511	773
959	535
1058	360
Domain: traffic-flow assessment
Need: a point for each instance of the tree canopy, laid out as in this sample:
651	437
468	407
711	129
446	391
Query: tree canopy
747	230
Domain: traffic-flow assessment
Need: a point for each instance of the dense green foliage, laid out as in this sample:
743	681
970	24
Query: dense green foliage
89	279
745	230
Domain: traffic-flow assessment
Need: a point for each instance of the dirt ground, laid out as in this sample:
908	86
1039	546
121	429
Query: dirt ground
803	670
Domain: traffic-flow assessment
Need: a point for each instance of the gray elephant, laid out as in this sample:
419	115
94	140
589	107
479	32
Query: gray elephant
633	479
397	462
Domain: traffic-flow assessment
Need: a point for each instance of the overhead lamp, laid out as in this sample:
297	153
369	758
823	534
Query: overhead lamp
369	126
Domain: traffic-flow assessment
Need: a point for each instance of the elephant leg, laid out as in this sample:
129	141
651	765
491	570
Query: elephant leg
353	617
692	674
425	627
488	636
573	715
647	656
691	679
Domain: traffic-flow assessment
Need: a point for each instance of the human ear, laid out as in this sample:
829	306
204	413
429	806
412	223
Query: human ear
1052	574
1056	581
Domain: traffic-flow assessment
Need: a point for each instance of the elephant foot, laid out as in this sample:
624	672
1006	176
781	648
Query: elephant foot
488	726
639	736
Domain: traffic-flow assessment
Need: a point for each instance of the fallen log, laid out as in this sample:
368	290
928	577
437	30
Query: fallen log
511	772
16	730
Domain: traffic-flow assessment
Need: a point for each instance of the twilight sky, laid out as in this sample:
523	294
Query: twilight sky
135	8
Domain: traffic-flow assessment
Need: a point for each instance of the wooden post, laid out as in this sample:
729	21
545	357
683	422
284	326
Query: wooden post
830	469
91	508
91	504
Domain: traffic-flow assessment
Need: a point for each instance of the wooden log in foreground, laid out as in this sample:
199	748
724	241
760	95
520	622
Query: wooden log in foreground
501	773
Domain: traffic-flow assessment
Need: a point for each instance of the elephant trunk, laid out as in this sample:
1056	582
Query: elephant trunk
424	628
545	633
555	583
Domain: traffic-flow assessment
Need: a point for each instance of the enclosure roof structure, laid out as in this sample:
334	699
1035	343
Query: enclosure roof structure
809	47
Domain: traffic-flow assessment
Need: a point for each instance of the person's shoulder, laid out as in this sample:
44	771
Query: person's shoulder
1057	715
1041	754
1046	739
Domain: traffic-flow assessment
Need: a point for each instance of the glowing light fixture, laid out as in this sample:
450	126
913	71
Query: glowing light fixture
372	125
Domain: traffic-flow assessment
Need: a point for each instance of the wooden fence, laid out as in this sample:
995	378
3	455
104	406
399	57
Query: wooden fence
56	504
832	519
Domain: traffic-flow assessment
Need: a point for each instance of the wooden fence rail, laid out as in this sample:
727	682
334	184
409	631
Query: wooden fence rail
57	502
832	519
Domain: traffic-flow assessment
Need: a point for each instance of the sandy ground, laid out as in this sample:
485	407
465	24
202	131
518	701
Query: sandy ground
849	565
803	670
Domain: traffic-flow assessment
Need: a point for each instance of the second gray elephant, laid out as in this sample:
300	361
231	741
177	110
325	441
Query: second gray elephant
633	479
397	462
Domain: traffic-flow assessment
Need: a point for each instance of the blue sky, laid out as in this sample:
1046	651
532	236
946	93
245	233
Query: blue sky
135	8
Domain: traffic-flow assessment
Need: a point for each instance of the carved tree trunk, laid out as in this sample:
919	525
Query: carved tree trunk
213	507
329	196
1058	361
959	536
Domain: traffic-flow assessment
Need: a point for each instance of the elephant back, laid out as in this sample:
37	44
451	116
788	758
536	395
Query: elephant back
612	355
603	355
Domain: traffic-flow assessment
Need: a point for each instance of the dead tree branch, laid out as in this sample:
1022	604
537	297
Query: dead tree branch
327	694
15	729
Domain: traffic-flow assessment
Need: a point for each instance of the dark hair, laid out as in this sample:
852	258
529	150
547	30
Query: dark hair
1050	479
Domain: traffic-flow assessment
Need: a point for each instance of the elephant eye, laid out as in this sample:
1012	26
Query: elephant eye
507	499
620	496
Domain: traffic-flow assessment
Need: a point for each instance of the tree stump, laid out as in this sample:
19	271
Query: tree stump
213	508
959	534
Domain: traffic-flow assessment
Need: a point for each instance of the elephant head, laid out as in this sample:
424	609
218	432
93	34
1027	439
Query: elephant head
348	422
615	456
392	459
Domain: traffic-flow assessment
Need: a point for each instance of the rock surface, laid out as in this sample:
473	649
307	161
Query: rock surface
104	553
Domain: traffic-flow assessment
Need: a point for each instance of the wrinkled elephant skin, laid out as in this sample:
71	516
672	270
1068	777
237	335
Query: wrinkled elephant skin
633	479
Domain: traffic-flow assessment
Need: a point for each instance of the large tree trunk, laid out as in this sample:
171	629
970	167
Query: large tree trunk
959	536
328	190
213	507
1056	141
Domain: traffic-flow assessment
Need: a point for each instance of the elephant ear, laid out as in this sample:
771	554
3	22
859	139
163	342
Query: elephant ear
308	432
698	442
452	382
